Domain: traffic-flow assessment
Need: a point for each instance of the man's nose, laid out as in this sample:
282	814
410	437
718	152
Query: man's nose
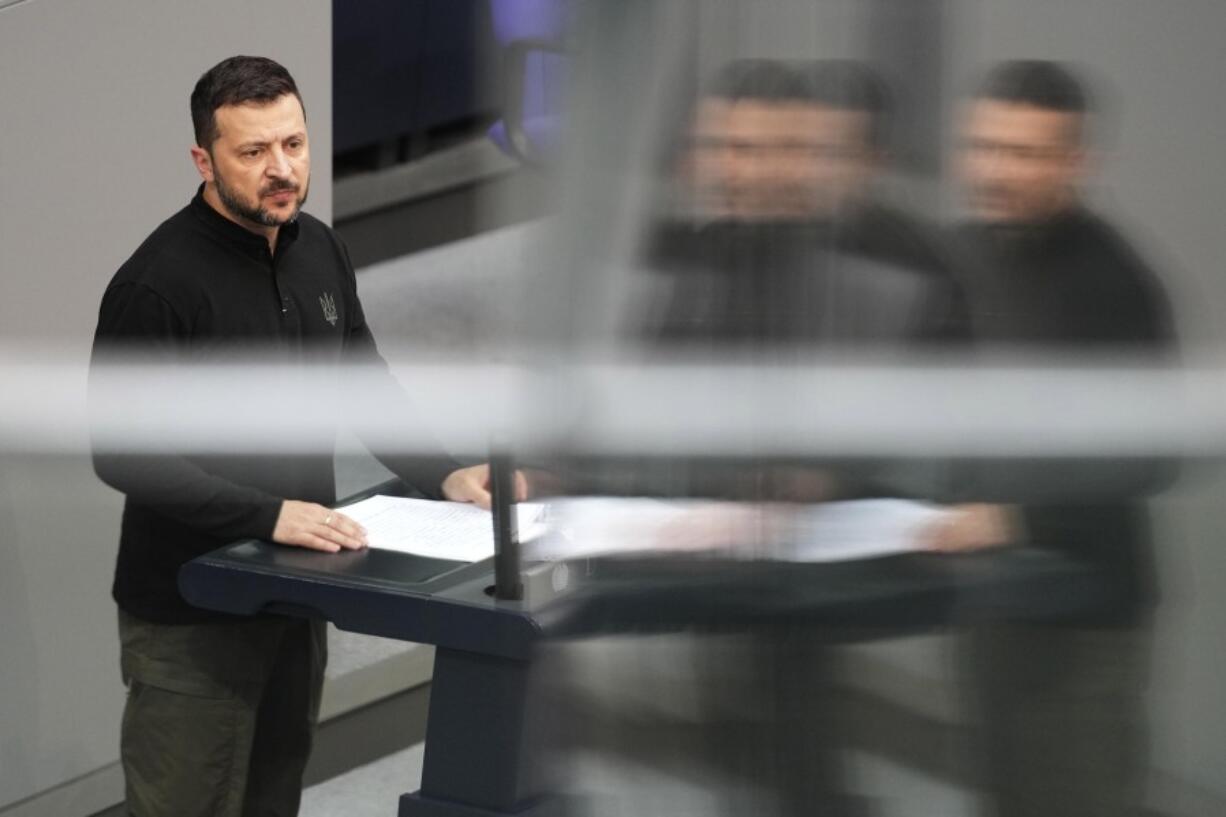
278	166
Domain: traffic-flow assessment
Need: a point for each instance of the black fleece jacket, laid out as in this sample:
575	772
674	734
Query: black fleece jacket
1074	285
203	291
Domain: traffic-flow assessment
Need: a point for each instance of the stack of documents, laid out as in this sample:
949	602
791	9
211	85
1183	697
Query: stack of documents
438	530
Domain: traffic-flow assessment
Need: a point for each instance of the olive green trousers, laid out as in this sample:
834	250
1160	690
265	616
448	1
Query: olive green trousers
219	717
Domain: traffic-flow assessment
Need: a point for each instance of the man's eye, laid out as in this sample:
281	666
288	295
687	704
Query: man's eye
251	154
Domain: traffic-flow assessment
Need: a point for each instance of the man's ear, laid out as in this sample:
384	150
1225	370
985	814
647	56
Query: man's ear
203	162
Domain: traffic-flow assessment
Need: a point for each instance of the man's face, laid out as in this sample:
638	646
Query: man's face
754	159
260	163
1020	164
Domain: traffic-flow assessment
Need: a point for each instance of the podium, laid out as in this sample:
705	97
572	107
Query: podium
480	753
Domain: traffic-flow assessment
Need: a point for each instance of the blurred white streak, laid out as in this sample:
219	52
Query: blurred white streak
826	406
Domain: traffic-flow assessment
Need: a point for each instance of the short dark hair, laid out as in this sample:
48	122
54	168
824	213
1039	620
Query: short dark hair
845	85
850	85
234	81
758	80
1040	83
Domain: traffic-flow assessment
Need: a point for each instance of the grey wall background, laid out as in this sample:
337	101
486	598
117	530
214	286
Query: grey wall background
93	155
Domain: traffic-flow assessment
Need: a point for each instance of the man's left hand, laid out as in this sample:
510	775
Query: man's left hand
472	484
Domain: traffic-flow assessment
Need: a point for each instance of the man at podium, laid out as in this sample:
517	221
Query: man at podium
221	709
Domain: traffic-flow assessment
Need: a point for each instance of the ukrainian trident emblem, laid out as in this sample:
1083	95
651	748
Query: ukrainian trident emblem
329	307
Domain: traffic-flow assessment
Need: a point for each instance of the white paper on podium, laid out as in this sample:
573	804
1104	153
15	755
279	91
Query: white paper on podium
607	526
436	529
860	529
825	532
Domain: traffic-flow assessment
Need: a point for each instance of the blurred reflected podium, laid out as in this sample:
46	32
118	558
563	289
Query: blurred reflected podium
481	750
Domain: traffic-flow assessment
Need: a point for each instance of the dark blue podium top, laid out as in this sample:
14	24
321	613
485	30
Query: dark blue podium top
450	604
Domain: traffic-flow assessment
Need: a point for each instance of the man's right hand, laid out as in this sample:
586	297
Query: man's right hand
976	526
308	525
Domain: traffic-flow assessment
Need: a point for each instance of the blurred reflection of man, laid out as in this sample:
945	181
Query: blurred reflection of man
1062	705
783	243
784	252
855	108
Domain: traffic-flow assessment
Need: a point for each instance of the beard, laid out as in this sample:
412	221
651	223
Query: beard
255	213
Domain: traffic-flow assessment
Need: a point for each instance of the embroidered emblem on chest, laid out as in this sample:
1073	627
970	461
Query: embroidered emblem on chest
329	307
